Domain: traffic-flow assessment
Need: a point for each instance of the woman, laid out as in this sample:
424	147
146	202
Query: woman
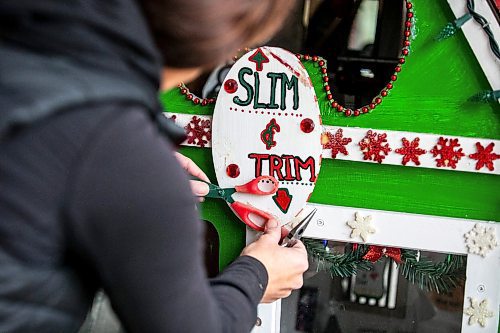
92	195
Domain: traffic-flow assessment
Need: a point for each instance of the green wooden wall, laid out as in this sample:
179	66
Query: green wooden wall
429	96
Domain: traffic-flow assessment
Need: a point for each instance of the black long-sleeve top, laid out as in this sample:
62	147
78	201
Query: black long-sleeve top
94	197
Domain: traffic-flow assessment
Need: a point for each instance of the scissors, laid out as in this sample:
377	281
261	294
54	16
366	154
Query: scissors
245	211
296	233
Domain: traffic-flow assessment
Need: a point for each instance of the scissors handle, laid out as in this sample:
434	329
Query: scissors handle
252	186
251	216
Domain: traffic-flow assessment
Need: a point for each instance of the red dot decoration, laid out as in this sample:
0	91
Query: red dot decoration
307	125
233	170
230	86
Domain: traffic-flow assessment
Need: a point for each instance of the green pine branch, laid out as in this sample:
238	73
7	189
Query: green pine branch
338	264
439	277
426	274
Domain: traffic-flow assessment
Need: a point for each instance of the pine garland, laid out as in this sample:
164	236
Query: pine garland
426	274
338	264
439	277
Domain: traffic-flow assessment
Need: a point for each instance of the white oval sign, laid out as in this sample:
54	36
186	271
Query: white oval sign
267	123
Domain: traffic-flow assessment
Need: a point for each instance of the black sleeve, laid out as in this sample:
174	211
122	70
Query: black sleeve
133	217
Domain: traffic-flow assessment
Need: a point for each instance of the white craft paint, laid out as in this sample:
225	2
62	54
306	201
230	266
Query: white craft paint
245	130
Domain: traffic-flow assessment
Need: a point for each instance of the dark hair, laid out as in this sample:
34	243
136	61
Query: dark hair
203	33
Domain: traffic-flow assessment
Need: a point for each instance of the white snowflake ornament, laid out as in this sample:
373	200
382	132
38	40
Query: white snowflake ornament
361	226
478	312
480	240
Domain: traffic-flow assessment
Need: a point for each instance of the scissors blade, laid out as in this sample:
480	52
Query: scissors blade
296	233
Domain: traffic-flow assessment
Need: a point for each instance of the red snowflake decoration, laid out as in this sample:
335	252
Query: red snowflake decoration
449	156
373	147
336	142
411	151
199	131
485	156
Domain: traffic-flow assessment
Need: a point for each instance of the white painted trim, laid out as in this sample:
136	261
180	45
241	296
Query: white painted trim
422	232
478	40
182	119
427	142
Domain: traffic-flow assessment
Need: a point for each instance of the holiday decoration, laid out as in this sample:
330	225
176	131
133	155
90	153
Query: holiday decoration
338	264
452	27
233	170
198	131
193	98
266	122
335	106
336	142
439	277
361	226
449	157
478	312
410	151
282	198
376	252
480	240
485	156
374	146
480	158
487	96
439	158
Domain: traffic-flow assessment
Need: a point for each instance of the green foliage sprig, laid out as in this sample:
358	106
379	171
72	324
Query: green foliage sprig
426	274
439	277
338	264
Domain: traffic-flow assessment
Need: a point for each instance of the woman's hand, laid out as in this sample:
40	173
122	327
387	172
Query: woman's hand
285	265
198	188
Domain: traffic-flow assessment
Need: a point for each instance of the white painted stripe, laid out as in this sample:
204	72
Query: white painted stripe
394	140
427	142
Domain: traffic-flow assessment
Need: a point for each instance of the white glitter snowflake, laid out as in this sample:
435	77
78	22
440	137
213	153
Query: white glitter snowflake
480	240
478	313
361	226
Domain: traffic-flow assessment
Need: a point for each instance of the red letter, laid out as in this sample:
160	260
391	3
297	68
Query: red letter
309	163
275	168
288	167
258	164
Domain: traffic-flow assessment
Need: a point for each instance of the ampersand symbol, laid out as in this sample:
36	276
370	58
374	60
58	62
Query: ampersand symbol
267	135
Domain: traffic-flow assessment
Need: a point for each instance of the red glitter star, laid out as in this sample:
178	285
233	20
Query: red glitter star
335	142
411	151
373	147
449	156
485	156
199	132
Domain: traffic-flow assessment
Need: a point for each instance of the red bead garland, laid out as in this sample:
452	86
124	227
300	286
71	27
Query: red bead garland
193	98
384	92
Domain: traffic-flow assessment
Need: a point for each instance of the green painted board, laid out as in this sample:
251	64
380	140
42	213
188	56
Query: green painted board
429	97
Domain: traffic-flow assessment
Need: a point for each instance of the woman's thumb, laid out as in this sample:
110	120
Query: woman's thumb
273	230
199	189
